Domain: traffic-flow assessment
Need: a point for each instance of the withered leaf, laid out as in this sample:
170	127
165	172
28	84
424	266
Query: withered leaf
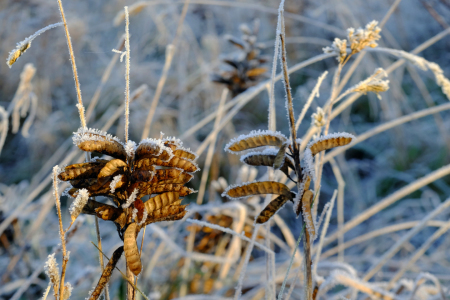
108	147
271	209
328	143
131	249
106	275
259	188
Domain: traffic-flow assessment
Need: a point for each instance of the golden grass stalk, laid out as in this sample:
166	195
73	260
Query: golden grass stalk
74	67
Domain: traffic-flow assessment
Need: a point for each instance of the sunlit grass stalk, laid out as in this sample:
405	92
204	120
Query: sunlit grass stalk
296	153
74	67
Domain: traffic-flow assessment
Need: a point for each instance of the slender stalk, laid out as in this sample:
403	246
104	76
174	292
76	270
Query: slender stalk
298	171
127	73
61	232
74	67
99	242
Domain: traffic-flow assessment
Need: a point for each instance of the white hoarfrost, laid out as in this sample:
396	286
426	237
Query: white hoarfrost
255	133
77	205
144	218
92	134
173	140
130	148
114	182
52	270
309	163
131	199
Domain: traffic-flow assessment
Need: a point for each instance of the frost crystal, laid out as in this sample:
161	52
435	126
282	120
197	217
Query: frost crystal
77	205
254	133
114	182
92	134
130	148
52	270
309	163
131	199
67	291
173	140
134	214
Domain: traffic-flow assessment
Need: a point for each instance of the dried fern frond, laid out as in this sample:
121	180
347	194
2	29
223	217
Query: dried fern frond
255	139
257	188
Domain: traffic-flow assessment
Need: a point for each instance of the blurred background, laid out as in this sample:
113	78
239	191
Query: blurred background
42	117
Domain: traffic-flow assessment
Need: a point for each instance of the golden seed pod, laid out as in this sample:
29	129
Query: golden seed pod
113	167
81	171
255	141
271	209
108	147
131	249
280	158
175	162
259	188
106	275
329	143
185	154
160	201
167	213
165	174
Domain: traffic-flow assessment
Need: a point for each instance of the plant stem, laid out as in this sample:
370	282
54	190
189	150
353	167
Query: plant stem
298	171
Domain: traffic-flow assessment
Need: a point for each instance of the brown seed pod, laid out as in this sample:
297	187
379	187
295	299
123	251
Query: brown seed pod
258	188
256	139
185	154
112	168
104	146
143	175
106	275
108	212
267	160
131	249
81	171
325	143
271	209
306	207
175	162
166	213
280	158
256	72
160	201
165	174
174	217
162	188
151	150
84	183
